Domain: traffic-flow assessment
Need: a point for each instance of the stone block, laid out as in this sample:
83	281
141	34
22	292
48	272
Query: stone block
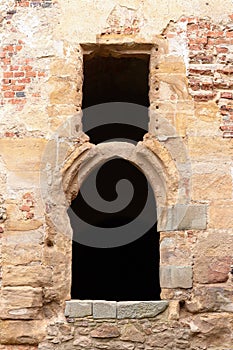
211	186
114	344
22	332
56	111
22	154
209	147
174	310
184	217
83	342
131	333
64	68
195	218
212	269
220	215
21	248
34	276
160	126
213	257
21	303
176	148
206	111
176	277
181	124
78	308
22	296
23	225
170	64
175	249
211	299
162	340
63	91
140	309
105	331
205	119
24	254
104	309
216	329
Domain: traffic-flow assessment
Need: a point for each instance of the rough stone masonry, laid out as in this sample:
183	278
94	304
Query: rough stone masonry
189	145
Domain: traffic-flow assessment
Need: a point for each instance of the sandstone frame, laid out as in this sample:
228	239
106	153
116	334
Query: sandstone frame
162	156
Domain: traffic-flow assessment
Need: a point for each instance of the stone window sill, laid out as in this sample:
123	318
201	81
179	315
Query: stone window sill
101	309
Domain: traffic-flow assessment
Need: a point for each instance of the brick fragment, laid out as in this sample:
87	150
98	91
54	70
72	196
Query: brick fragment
9	94
222	49
18	101
8	75
213	34
227	95
229	34
20	94
25	208
30	74
6	87
9	134
18	74
18	87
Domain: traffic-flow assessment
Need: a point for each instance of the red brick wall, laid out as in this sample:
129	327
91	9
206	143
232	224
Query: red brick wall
33	3
17	69
16	76
211	66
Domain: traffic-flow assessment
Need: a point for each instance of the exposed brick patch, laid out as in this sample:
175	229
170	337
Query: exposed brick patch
211	70
210	62
210	48
27	206
228	95
34	3
18	72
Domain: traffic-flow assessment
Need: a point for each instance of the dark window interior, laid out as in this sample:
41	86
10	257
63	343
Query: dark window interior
127	272
130	271
110	79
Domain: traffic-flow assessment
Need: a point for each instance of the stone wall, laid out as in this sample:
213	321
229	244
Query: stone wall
189	146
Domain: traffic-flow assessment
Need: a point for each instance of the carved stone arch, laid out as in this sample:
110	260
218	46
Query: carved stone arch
152	158
65	166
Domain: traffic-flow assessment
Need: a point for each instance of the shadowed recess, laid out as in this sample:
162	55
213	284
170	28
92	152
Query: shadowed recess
110	79
127	272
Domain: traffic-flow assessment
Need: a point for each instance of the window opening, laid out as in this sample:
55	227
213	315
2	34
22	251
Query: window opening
127	272
115	79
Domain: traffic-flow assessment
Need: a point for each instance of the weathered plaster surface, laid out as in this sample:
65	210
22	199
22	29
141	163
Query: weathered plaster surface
83	20
43	147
